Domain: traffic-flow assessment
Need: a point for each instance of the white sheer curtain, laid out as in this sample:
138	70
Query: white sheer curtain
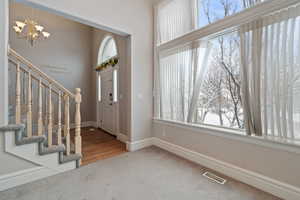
181	75
179	71
249	3
173	18
270	58
251	48
202	59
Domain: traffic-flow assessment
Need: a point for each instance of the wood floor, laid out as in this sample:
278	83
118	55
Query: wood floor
99	145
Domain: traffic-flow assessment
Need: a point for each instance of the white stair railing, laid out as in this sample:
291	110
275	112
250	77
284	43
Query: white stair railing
53	88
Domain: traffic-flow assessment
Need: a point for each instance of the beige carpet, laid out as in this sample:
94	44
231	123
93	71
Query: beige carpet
148	174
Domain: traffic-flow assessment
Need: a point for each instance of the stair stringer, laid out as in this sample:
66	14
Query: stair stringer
14	179
30	152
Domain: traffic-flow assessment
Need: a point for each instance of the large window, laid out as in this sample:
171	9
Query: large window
210	11
246	76
183	16
220	98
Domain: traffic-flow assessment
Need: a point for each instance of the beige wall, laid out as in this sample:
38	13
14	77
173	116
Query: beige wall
134	17
68	49
124	70
278	164
3	62
73	49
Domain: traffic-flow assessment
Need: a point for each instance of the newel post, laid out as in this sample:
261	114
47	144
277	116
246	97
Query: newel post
78	122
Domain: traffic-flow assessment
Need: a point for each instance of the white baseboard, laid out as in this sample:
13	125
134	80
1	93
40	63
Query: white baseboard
259	181
93	124
25	176
122	137
134	146
85	124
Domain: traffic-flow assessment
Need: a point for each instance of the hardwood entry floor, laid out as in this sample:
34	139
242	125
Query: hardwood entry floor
98	145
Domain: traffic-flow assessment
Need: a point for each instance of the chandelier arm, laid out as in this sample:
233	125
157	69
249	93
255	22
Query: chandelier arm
30	30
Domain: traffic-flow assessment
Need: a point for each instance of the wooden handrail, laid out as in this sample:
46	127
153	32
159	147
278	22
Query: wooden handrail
39	72
36	78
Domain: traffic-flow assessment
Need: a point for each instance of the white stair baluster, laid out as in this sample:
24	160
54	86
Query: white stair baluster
59	142
18	94
50	122
67	124
29	107
40	110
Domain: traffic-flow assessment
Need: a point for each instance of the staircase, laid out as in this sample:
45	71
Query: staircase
39	130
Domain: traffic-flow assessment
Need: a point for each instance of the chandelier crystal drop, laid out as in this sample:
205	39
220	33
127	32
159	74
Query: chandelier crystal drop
30	30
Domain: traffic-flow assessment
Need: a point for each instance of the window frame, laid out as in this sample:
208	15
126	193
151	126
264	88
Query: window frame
115	74
276	143
223	26
227	24
103	45
99	87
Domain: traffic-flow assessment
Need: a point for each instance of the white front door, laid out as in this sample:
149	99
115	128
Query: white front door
107	110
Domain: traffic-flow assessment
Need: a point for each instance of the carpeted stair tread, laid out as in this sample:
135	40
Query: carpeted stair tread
12	127
69	158
33	139
53	149
41	140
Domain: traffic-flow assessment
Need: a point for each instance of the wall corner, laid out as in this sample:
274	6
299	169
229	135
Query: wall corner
4	15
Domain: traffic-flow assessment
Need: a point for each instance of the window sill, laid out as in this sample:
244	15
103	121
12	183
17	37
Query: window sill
270	142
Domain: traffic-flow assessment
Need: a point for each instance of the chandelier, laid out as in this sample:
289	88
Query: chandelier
30	30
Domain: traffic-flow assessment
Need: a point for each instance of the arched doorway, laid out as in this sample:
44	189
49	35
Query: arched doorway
107	88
